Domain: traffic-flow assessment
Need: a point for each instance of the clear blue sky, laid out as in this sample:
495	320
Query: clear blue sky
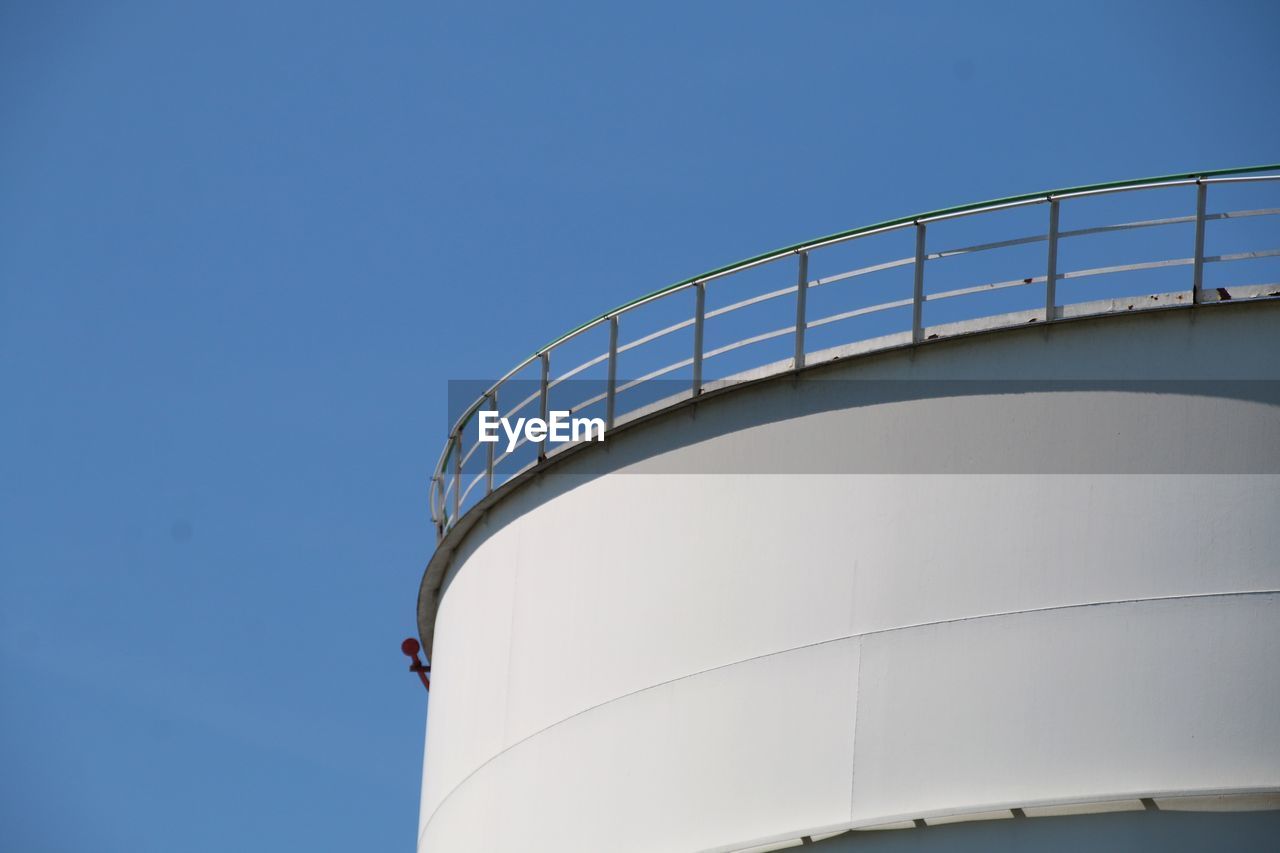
243	246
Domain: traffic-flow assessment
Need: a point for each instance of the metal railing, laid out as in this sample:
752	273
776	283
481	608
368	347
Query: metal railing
452	493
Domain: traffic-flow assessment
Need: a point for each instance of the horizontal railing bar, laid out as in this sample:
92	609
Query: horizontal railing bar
590	401
1242	256
787	330
1173	220
653	336
525	467
1176	262
1150	265
1146	265
1148	223
662	371
704	279
764	297
1126	226
1241	214
569	374
520	442
466	456
526	401
981	288
467	490
982	247
857	312
887	265
1100	229
683	324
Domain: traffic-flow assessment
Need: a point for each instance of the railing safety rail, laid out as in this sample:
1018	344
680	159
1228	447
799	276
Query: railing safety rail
453	482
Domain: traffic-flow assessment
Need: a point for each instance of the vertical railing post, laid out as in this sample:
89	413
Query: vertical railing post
611	389
699	318
1051	273
457	471
542	400
917	298
1197	268
802	292
488	471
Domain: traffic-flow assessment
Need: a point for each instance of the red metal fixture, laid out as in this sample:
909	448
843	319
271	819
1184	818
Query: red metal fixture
410	647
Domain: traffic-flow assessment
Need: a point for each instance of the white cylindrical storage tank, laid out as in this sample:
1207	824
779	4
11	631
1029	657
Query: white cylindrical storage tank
1021	577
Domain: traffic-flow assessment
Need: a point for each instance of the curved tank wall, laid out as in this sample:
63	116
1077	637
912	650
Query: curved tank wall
1034	570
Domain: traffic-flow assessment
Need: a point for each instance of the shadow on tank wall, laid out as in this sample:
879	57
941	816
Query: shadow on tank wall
1138	394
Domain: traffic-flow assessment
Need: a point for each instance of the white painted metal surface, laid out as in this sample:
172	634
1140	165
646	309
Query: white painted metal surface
933	601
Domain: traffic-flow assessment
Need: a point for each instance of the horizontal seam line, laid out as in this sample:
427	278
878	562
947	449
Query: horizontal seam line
827	641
